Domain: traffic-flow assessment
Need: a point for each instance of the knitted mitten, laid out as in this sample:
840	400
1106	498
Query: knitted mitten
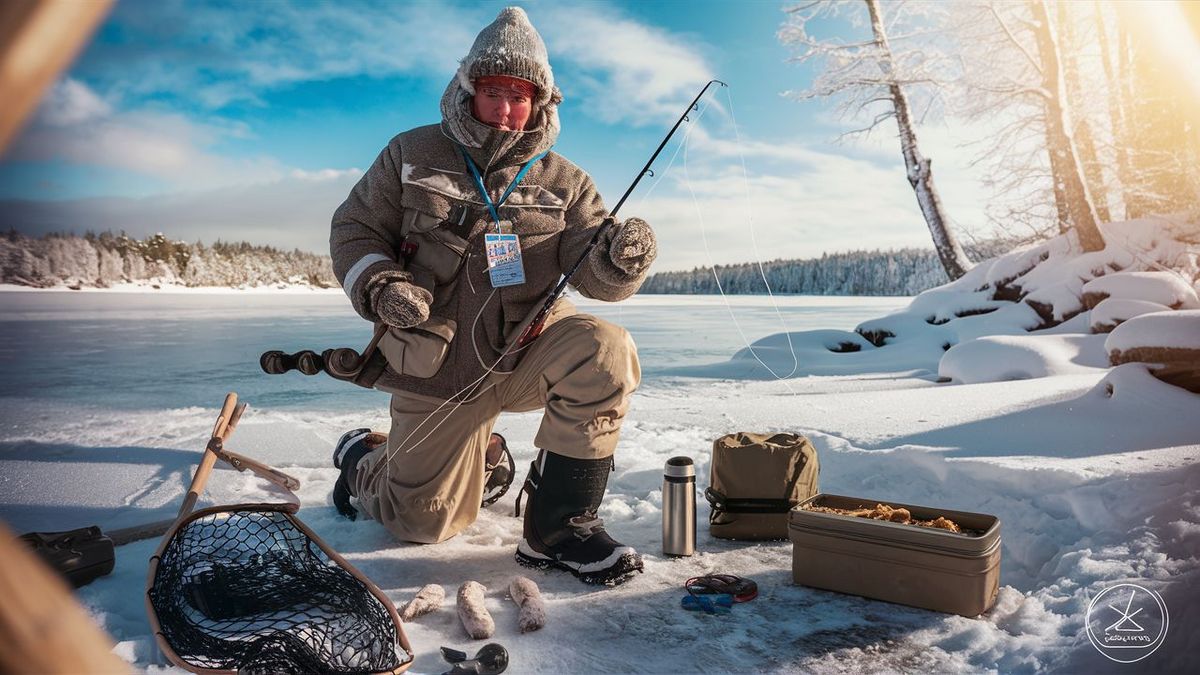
400	304
633	247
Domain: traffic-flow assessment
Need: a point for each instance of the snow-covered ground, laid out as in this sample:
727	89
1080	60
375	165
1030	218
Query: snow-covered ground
1094	472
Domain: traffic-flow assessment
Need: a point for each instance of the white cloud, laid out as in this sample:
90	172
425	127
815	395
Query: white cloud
325	174
215	54
219	56
798	200
961	173
72	102
626	71
774	216
76	125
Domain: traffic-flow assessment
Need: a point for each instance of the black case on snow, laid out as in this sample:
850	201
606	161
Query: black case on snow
80	556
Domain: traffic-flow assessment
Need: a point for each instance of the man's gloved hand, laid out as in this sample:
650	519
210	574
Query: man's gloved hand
399	303
632	246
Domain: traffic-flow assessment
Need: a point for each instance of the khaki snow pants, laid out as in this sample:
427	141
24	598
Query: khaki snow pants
426	484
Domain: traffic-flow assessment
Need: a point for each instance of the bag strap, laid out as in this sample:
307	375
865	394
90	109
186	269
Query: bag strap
723	504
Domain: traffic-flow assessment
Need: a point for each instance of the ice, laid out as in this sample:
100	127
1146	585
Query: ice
1093	471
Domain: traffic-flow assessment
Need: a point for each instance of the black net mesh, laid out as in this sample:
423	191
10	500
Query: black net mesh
248	590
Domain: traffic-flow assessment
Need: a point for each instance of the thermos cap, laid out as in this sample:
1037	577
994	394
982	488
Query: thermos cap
680	467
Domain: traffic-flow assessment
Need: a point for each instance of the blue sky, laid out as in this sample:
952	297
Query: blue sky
227	120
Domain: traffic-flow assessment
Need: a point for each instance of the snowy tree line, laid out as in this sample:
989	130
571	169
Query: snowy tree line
106	259
906	271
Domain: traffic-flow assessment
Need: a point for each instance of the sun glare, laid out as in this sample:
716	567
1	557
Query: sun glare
1164	26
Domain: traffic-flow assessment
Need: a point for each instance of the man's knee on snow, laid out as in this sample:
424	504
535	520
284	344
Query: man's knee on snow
423	519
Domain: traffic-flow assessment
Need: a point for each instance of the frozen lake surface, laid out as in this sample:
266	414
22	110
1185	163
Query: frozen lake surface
187	349
108	398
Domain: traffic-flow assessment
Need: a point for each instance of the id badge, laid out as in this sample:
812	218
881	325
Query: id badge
504	259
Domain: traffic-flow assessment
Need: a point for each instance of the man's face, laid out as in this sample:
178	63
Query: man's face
501	107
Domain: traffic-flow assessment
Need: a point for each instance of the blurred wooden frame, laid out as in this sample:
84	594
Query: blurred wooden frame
42	627
38	39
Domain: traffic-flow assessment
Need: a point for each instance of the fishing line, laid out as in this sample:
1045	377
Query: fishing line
663	173
708	253
675	154
488	370
754	240
684	145
458	404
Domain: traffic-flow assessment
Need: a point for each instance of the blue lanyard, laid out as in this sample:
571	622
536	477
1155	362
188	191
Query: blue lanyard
483	190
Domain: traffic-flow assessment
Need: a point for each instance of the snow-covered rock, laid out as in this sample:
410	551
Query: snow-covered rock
1057	302
1174	335
1111	312
1165	288
1022	357
1045	289
1170	340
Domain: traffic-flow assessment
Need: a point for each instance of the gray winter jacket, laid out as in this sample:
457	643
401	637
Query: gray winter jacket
417	211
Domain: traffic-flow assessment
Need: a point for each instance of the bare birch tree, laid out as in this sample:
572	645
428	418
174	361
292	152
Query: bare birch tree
1113	100
868	77
1072	43
1060	142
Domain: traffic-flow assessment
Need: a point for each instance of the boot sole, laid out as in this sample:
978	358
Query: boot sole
626	566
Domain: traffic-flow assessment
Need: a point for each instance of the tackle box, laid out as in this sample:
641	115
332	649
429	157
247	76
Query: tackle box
80	556
911	565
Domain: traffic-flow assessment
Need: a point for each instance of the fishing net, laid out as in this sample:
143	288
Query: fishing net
245	588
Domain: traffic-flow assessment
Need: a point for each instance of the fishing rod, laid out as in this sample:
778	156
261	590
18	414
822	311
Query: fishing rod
535	326
346	364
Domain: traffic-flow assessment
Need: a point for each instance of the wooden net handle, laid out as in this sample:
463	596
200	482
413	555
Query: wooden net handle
242	463
226	421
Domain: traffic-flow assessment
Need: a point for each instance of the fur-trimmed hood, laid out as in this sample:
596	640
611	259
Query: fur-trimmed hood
488	146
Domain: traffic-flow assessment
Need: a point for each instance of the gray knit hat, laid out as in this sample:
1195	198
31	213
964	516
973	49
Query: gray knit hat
510	46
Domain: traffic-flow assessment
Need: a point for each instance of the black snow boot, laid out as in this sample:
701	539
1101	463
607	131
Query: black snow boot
350	448
562	529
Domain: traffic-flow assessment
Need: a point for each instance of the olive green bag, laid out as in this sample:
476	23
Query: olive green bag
756	479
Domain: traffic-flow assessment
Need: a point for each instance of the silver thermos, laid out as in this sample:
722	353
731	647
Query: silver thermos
679	507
